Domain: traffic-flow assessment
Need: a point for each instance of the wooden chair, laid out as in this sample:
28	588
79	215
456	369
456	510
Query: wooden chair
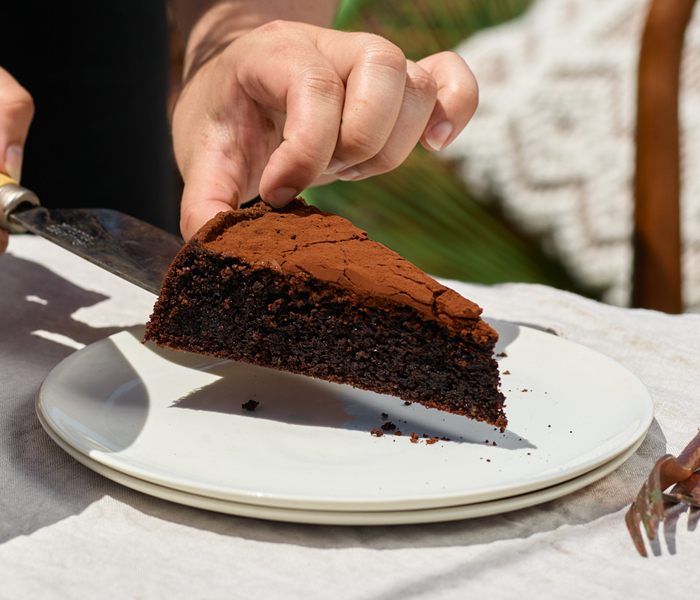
657	282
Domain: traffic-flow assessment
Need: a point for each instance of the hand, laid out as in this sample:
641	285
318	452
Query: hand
16	113
289	105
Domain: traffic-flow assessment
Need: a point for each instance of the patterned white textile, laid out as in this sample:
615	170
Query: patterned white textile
66	532
553	136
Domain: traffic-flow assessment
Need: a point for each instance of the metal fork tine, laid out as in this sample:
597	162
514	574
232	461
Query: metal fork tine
655	495
649	499
648	508
633	526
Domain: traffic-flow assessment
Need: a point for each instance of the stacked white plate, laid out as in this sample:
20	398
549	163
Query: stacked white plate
173	425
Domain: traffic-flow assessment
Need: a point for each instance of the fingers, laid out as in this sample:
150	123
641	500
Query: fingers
457	99
342	107
314	102
16	113
287	105
204	198
375	76
415	109
392	104
262	118
221	142
212	175
440	97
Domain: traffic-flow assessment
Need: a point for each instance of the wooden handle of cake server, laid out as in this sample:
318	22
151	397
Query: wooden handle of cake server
4	179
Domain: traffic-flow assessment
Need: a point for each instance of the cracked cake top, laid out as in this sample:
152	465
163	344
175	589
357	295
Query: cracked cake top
300	239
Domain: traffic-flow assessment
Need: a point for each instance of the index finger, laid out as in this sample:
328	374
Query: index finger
294	77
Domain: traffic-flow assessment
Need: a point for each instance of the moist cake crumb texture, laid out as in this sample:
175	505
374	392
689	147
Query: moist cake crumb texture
305	291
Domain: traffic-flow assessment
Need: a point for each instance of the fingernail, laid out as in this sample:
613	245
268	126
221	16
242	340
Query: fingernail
281	196
437	136
333	167
348	174
13	162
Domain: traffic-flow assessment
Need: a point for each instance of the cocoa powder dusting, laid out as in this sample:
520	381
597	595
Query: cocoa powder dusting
301	239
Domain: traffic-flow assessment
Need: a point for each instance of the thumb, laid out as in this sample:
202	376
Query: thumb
208	191
16	113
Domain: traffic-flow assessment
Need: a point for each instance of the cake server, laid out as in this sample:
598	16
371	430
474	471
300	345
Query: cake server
131	249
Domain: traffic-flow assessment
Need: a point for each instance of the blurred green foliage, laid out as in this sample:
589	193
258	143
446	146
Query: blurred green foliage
423	210
422	27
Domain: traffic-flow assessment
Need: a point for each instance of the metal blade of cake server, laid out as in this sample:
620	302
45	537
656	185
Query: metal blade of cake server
128	247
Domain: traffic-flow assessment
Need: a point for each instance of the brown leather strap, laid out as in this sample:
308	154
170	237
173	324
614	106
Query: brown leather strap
657	244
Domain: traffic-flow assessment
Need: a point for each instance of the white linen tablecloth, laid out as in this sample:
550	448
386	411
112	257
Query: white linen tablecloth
66	532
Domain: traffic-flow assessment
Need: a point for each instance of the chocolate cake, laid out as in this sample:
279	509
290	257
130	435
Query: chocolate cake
305	291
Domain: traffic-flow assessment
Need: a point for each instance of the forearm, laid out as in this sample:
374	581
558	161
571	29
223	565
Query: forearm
208	26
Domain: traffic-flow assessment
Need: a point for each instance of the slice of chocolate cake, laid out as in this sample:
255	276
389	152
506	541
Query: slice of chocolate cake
305	291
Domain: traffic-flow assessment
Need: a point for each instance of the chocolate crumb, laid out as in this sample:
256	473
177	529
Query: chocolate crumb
506	372
407	404
488	460
414	437
494	444
251	405
388	426
385	416
431	440
502	355
377	432
398	432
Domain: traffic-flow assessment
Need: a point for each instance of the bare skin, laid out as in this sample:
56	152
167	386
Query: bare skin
277	106
274	102
16	113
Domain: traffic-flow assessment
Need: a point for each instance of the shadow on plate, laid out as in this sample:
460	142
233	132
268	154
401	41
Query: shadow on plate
299	400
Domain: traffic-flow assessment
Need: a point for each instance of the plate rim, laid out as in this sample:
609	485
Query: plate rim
290	501
340	517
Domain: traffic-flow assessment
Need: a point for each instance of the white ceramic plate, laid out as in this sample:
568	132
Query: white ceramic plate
338	517
175	420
